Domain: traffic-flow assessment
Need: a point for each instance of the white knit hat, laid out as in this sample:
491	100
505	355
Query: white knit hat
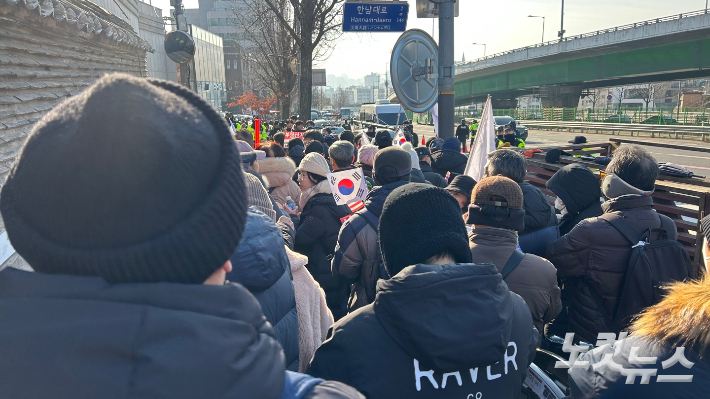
314	163
413	154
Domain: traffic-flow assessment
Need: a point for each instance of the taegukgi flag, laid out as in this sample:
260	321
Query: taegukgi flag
348	186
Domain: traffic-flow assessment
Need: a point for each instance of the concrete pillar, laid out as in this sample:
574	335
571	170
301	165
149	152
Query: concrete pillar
560	96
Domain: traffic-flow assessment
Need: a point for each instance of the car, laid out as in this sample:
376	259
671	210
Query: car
660	120
618	118
520	130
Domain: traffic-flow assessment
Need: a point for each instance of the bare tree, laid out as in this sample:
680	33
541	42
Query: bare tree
618	93
648	91
315	26
269	48
339	99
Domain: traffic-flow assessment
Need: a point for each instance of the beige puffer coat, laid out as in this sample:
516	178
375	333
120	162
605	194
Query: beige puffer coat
279	172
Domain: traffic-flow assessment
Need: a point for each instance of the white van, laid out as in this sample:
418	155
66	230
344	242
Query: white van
383	113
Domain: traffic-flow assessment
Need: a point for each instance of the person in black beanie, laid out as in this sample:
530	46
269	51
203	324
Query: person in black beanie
461	187
383	139
441	327
128	200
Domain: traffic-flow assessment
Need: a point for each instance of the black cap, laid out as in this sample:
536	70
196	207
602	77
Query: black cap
421	151
578	140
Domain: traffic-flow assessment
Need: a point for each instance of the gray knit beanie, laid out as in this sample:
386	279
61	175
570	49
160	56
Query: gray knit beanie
257	196
133	180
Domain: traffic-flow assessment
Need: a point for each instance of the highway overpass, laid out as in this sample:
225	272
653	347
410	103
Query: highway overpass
662	49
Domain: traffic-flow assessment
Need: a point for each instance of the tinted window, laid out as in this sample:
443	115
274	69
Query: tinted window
392	119
502	120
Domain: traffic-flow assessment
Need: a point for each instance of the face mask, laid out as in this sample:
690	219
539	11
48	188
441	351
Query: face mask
560	206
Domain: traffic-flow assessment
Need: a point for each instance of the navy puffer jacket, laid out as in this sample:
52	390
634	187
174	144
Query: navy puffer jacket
261	265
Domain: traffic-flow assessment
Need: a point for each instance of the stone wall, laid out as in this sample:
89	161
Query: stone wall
51	50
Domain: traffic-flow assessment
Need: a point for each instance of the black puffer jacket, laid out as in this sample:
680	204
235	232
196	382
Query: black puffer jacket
595	253
260	264
316	237
433	332
538	212
579	189
416	176
448	161
431	176
82	338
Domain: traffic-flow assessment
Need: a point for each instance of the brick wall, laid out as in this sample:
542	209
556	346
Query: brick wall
43	61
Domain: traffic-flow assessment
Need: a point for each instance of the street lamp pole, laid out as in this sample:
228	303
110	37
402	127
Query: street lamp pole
484	47
561	33
543	26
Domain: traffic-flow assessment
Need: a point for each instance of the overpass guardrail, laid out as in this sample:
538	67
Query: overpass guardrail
682	132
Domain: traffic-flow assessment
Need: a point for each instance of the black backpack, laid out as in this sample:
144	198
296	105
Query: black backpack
652	265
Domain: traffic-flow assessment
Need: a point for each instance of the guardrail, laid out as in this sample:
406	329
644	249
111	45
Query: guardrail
683	132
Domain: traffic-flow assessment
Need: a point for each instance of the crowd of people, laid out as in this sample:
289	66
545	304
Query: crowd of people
173	259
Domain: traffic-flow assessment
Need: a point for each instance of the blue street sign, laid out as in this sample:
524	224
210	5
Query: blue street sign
373	16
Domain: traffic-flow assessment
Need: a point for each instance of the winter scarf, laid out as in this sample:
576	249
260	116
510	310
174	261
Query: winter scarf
314	317
320	188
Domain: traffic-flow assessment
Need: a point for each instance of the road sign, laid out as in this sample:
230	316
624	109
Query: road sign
414	68
608	97
375	16
318	77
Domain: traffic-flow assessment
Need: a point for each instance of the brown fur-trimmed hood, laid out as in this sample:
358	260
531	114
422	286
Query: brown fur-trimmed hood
680	319
277	169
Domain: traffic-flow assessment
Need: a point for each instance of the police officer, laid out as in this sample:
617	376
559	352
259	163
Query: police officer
462	133
474	129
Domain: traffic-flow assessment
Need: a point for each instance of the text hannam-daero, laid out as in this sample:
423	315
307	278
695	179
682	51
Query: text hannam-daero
370	20
456	376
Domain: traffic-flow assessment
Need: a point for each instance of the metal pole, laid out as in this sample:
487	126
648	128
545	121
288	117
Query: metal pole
561	33
484	50
446	75
543	31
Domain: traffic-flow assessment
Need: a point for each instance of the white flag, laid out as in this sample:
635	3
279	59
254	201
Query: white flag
348	186
435	117
484	144
364	139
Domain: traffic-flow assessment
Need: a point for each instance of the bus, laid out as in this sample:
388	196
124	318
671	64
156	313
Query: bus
383	112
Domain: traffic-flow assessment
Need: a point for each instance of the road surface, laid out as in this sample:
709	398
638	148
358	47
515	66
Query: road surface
697	162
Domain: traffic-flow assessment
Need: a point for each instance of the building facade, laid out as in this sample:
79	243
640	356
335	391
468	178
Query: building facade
209	67
49	52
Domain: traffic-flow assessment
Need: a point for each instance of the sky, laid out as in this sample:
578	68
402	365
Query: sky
501	24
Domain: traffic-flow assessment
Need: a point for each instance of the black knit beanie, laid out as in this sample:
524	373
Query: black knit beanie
133	180
419	221
391	164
